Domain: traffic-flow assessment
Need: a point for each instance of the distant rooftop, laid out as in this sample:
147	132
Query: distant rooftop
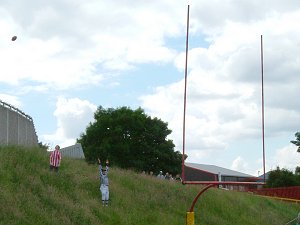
216	170
266	174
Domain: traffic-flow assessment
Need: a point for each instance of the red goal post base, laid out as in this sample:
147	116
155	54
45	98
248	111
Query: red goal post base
190	217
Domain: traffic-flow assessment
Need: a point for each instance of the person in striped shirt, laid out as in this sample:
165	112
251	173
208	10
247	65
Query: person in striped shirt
103	172
55	158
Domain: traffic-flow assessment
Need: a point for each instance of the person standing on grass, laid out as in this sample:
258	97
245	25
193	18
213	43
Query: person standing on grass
104	183
160	175
55	158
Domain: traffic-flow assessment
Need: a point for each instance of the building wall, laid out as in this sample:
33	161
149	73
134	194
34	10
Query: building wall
16	128
74	151
233	179
192	174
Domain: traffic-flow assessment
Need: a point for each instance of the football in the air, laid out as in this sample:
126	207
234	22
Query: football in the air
14	38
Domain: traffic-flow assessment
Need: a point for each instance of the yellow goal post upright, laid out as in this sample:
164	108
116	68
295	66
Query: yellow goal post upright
190	216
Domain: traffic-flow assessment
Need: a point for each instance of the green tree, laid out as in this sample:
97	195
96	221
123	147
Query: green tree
297	142
130	139
281	178
43	146
297	170
297	175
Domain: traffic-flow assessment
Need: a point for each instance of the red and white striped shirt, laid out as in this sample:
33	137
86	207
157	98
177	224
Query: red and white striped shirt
55	158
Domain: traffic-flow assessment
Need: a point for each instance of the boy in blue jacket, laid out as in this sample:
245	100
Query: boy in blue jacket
103	172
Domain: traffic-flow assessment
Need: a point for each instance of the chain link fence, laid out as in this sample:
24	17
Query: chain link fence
16	128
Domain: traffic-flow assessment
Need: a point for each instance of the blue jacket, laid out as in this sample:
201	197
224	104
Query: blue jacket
103	177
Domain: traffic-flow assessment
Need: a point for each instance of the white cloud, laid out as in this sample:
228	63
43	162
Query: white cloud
43	62
224	81
216	111
211	16
73	115
10	99
69	44
239	164
286	157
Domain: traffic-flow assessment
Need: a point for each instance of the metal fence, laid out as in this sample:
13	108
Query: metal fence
16	128
283	192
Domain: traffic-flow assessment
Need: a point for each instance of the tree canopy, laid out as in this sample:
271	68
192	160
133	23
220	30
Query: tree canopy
297	142
130	139
282	178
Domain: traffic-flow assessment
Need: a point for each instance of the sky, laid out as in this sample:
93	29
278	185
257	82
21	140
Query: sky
72	56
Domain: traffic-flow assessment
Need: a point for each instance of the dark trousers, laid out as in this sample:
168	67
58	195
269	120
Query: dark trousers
55	168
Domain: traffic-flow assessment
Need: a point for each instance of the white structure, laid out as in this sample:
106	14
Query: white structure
16	128
73	151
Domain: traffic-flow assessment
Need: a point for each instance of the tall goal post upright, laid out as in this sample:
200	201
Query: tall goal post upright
185	89
262	105
190	217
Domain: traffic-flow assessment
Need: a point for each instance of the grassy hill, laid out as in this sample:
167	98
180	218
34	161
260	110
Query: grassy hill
31	194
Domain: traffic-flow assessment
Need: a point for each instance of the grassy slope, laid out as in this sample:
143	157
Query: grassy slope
30	194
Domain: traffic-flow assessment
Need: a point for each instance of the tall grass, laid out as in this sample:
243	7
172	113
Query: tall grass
31	194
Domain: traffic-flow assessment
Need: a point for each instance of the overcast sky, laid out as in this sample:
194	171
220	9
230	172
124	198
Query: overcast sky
72	56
